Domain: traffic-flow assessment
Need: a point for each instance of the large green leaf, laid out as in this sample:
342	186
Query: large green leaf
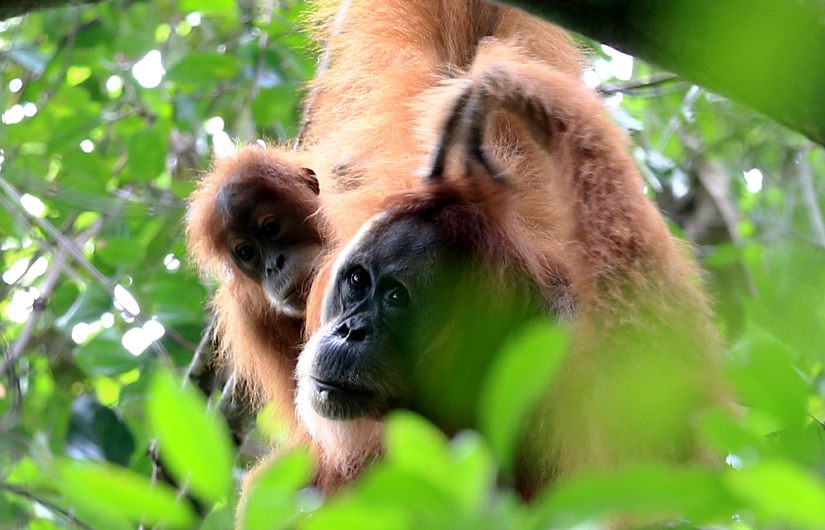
519	376
272	502
104	356
203	69
779	490
115	492
194	444
643	491
147	154
95	430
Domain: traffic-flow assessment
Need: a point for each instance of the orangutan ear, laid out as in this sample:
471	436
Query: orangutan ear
311	180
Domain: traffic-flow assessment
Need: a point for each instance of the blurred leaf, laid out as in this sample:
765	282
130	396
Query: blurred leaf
104	356
697	495
92	303
208	7
474	464
220	518
203	69
147	154
519	376
275	105
779	490
115	493
121	252
271	502
30	58
64	297
417	445
724	433
765	378
342	515
194	445
97	432
723	256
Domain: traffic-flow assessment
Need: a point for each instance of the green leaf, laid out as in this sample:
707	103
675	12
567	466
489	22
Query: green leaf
92	303
102	356
340	515
271	502
121	252
519	375
96	430
200	70
194	445
221	518
208	7
475	469
781	490
118	492
692	493
275	105
415	444
147	154
764	377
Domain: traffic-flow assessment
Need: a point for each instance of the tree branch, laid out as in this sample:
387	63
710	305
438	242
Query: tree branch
70	517
46	289
16	8
81	260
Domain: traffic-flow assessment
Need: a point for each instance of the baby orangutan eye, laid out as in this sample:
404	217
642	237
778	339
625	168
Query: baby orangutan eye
245	252
270	228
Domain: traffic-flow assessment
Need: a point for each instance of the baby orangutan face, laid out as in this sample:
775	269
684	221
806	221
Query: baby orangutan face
272	238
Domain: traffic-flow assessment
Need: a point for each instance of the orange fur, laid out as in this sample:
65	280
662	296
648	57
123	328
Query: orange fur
257	342
576	209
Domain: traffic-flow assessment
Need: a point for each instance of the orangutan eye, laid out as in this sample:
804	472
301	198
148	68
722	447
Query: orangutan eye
359	279
245	252
271	228
398	296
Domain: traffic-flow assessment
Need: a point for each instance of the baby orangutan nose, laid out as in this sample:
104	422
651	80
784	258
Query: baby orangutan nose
273	267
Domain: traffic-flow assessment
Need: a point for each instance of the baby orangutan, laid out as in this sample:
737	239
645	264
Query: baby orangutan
252	222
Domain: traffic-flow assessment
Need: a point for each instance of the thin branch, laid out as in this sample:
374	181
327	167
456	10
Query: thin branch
46	289
21	7
21	220
87	265
180	340
70	517
239	415
201	372
637	84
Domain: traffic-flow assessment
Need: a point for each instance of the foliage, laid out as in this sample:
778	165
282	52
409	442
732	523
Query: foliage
99	305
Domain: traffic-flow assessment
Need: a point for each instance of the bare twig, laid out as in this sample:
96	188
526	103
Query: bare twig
16	9
46	289
87	265
66	514
637	84
22	221
180	340
239	415
201	372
